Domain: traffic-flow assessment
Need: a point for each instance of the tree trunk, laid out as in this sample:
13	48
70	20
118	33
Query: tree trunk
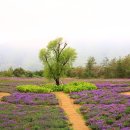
57	81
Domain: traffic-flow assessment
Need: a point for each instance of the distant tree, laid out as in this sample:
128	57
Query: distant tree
97	71
19	72
105	67
120	69
7	73
57	58
28	74
39	73
90	67
126	65
78	72
112	68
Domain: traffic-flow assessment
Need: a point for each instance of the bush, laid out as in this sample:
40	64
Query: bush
33	88
40	89
54	88
78	86
19	72
72	87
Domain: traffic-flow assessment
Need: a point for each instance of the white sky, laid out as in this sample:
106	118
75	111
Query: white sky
94	27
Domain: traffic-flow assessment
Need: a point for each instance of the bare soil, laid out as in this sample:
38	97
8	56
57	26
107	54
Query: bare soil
126	93
70	109
2	94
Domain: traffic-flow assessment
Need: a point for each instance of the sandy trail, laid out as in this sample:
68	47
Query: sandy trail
71	110
126	93
2	94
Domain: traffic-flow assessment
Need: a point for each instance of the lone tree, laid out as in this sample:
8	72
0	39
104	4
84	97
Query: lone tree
57	58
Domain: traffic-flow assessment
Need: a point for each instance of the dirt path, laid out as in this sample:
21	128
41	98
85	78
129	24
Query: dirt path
71	110
2	94
126	93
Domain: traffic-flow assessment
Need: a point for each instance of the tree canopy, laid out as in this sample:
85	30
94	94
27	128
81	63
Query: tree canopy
57	58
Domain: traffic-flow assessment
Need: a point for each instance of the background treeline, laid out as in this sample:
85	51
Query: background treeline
108	68
20	72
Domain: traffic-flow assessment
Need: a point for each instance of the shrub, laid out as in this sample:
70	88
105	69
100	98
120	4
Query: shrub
78	86
72	87
33	88
19	72
54	88
127	111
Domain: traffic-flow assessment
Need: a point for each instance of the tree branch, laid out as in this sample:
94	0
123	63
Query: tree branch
55	53
63	48
63	65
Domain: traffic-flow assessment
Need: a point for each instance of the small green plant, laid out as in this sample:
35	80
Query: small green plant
78	86
109	121
127	111
126	123
33	88
54	88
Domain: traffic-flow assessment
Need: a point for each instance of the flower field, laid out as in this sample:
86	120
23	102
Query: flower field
105	108
31	99
27	117
30	111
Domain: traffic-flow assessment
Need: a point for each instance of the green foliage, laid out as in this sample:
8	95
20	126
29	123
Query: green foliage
78	72
127	111
71	87
109	68
28	74
33	88
127	123
90	67
57	58
120	69
19	72
78	86
39	73
47	88
54	88
109	121
40	89
7	73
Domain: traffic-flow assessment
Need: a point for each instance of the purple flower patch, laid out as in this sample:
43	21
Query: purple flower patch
31	99
105	108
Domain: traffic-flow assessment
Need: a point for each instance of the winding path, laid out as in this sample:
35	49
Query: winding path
2	94
71	110
126	93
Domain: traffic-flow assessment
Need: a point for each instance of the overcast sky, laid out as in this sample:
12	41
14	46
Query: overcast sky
99	28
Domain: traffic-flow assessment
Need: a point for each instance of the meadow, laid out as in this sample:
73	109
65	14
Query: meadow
103	107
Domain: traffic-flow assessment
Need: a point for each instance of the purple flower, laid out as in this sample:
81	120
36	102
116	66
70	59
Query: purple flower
31	99
105	108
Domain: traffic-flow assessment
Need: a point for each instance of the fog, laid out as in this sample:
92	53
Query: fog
94	28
